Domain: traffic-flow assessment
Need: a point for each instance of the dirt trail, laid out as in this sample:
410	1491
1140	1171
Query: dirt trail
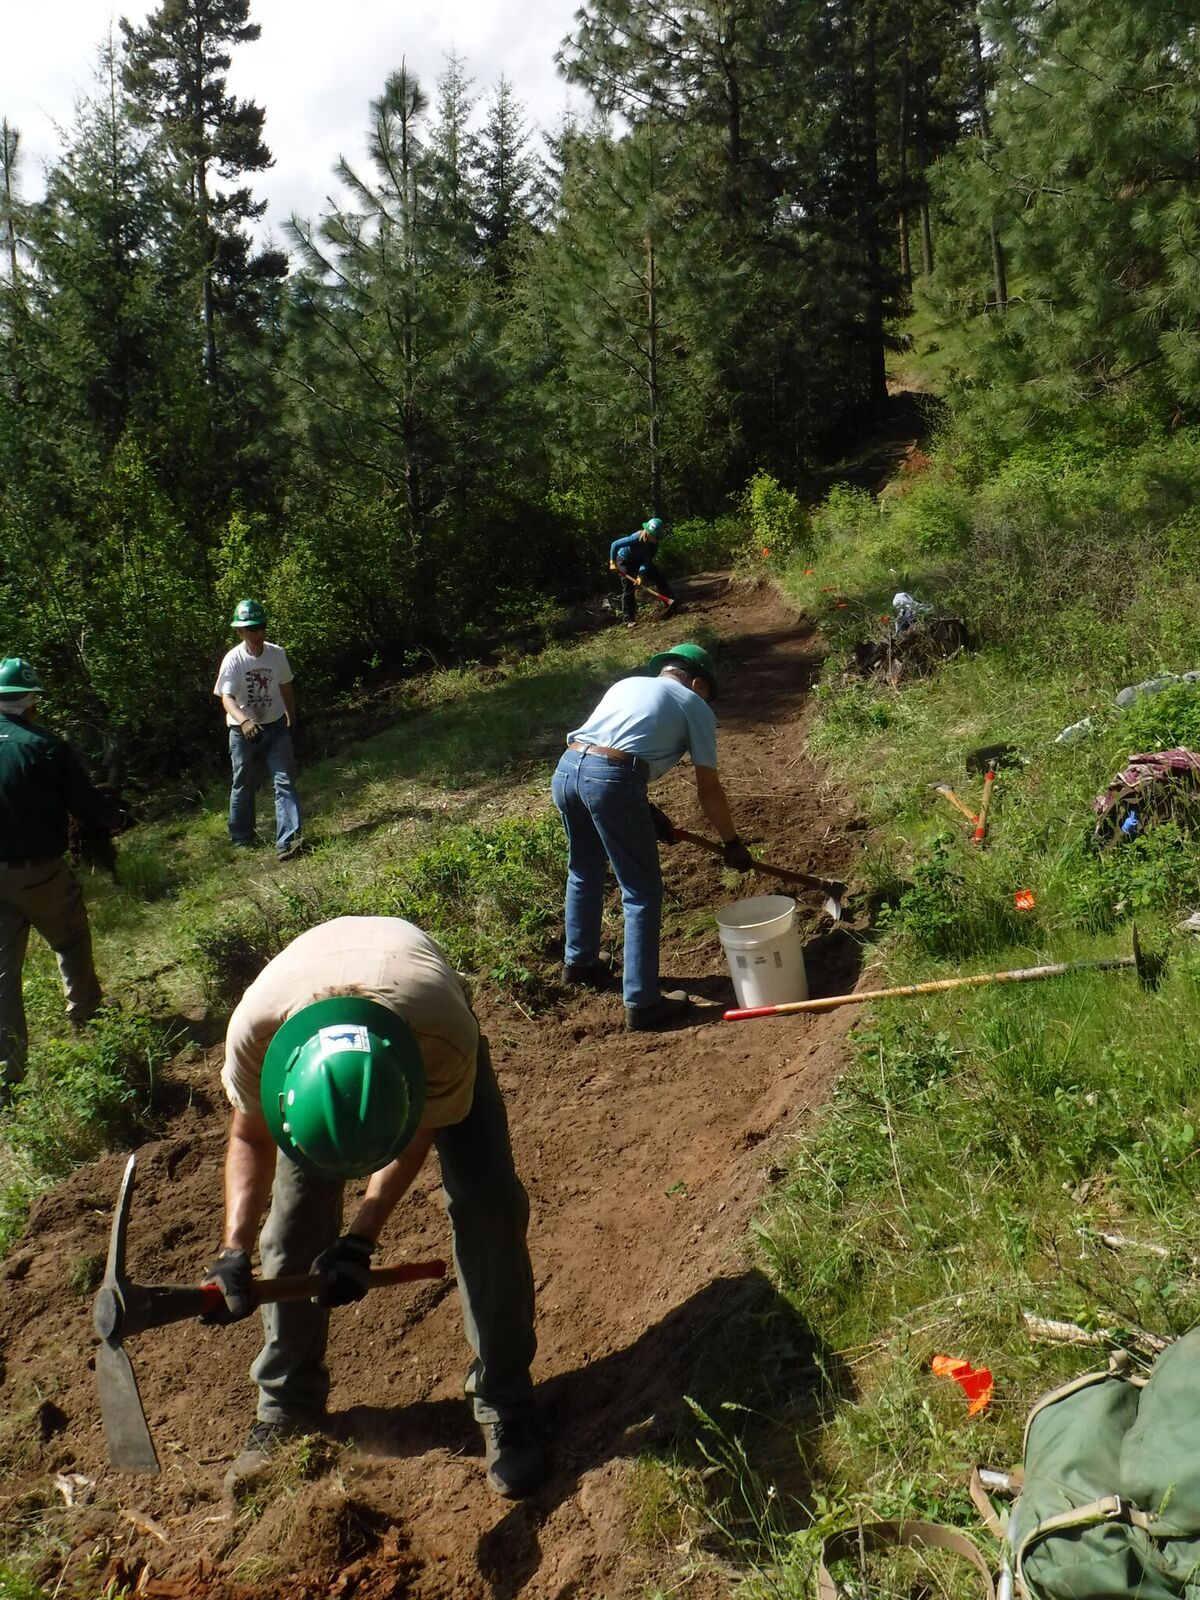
644	1156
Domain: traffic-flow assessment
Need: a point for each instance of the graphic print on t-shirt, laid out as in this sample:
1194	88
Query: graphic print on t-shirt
258	688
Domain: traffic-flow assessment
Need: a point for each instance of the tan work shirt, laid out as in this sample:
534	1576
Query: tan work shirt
379	958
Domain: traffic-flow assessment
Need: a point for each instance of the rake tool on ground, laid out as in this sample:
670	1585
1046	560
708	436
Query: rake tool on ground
1148	968
831	888
122	1308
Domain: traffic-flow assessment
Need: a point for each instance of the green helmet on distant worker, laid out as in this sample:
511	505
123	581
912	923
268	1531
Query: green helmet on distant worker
18	677
653	527
343	1087
248	614
692	656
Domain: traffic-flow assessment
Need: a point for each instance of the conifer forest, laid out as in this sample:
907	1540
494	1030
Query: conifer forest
416	418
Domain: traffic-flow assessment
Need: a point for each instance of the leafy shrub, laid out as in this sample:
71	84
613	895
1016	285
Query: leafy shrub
779	524
87	1094
934	518
950	911
1159	721
694	545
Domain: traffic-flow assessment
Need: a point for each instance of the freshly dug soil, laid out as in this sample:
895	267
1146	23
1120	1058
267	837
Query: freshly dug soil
645	1157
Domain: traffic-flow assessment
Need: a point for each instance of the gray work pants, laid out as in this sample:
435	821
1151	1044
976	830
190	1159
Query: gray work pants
489	1215
47	898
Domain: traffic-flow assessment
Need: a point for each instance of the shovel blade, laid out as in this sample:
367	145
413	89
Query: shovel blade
832	907
130	1447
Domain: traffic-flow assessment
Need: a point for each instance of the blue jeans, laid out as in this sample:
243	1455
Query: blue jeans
272	750
607	817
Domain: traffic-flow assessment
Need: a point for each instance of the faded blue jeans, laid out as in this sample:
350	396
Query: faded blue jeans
272	750
606	813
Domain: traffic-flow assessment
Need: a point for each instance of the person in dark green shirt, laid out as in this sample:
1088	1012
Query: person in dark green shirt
41	785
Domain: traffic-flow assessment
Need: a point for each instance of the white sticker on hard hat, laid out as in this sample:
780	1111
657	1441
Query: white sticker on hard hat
346	1036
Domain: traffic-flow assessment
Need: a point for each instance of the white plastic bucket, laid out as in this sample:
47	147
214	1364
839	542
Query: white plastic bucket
762	946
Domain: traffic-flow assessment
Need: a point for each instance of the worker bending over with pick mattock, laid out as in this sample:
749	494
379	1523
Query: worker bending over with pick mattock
641	728
350	1054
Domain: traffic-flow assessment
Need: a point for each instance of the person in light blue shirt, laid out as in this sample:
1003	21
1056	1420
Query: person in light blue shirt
635	557
640	729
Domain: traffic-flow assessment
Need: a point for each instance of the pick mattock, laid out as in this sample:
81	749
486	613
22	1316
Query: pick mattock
948	794
1148	968
640	583
831	888
122	1308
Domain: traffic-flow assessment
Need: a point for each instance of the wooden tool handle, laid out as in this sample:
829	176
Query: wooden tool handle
989	783
271	1291
785	874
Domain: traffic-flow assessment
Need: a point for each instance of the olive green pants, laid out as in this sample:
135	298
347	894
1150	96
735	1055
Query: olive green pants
46	897
489	1216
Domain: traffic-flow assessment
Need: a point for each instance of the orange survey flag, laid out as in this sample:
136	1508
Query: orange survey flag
977	1385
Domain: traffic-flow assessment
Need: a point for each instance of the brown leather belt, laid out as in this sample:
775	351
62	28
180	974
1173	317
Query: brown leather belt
625	757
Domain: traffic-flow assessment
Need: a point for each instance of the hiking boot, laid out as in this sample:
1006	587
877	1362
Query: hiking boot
516	1462
292	850
669	1007
669	610
597	975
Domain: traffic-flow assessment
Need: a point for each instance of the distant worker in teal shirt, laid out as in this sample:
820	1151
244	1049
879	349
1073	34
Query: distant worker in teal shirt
635	558
640	729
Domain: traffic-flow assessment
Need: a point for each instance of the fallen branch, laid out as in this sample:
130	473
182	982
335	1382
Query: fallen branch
1054	1332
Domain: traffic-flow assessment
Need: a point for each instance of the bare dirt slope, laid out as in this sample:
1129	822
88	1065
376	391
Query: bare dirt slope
645	1157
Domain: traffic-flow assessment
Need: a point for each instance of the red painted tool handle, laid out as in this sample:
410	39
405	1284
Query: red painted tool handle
271	1291
989	779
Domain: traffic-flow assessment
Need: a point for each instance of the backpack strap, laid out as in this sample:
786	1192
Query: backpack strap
898	1534
1008	1484
1109	1508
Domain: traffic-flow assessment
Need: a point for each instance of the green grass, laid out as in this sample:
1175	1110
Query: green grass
443	817
980	1142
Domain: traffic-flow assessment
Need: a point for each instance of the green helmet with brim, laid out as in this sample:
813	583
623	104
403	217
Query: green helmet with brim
653	526
343	1087
18	677
248	614
694	657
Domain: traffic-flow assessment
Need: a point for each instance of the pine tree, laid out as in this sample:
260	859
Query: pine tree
175	70
512	189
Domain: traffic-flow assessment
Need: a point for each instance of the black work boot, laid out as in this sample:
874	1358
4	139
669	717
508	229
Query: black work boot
596	975
669	1007
262	1445
516	1462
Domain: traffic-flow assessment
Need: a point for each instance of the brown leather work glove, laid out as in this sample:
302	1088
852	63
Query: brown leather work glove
250	729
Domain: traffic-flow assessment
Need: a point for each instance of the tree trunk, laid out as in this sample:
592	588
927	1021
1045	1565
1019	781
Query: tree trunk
999	272
876	354
652	375
902	170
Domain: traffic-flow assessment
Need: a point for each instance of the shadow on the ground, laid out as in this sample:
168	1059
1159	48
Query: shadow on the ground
735	1342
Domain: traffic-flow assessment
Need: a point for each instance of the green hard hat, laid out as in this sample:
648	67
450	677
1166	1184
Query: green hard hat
343	1086
248	614
694	656
654	526
18	677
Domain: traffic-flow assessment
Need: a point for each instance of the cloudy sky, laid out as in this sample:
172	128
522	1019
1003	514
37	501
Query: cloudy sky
315	69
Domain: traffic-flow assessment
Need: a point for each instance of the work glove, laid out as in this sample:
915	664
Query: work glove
345	1268
231	1272
664	828
251	729
737	856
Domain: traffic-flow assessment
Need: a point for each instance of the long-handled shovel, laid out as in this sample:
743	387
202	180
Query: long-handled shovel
122	1308
1148	969
829	887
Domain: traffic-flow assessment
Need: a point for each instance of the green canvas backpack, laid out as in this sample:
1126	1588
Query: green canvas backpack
1109	1504
1108	1498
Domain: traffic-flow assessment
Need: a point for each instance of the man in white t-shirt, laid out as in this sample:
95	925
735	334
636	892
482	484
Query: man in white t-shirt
352	1054
254	687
